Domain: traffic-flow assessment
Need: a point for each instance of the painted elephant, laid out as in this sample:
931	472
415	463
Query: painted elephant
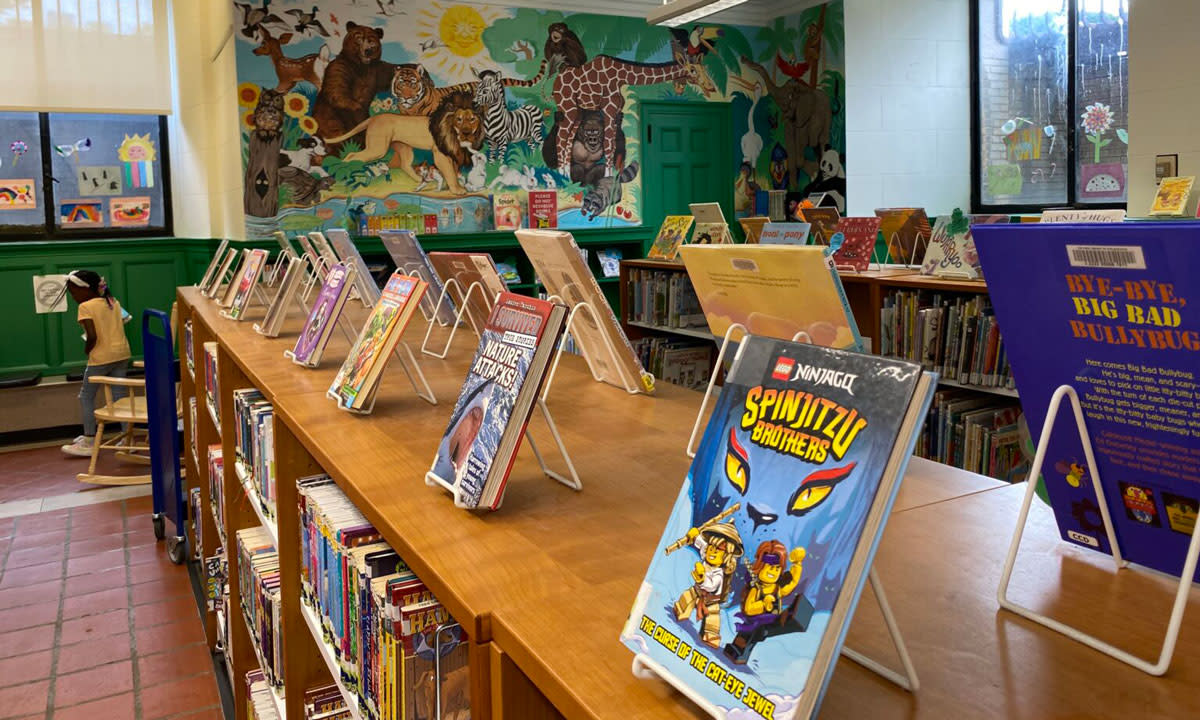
806	115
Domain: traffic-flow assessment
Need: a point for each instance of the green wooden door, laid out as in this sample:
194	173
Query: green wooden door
687	148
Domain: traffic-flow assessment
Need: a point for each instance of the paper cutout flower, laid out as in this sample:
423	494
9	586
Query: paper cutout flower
18	149
248	94
1097	121
308	124
295	105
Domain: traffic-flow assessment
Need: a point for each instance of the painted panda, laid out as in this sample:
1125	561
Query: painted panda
831	178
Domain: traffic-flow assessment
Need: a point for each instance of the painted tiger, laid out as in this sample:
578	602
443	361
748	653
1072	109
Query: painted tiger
416	94
501	126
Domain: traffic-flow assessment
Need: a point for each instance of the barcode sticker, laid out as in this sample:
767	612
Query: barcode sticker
1107	256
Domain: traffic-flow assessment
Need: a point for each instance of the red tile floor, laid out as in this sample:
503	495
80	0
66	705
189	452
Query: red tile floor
95	622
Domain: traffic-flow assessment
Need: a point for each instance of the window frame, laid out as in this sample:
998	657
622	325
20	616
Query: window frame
49	229
1072	129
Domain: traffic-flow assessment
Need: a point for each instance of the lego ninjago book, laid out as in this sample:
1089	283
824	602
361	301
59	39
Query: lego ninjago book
754	582
1113	310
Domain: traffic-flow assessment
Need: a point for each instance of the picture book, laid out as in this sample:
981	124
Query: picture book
285	296
235	276
752	227
325	312
498	395
214	285
1172	196
210	272
1071	215
251	271
752	587
772	290
411	259
906	232
506	208
563	272
543	209
356	382
467	269
1115	319
785	233
348	252
823	221
670	237
314	258
858	243
952	250
711	228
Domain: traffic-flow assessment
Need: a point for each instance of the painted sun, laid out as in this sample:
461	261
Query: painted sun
138	148
451	38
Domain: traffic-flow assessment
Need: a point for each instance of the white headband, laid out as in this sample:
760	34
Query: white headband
76	280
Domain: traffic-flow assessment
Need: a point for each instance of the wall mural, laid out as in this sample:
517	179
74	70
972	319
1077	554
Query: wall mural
362	114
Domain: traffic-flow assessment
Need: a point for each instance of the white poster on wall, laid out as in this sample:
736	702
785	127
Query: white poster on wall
49	293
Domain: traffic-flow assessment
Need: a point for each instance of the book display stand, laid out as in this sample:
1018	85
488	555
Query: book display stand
342	321
296	296
279	268
630	386
409	365
458	315
420	274
1185	578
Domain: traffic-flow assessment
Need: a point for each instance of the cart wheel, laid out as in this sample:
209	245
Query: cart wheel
160	530
177	549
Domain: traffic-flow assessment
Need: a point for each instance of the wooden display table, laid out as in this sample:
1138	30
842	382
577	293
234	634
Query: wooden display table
544	585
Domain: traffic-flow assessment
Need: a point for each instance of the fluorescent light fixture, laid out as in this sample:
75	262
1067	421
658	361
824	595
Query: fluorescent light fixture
682	12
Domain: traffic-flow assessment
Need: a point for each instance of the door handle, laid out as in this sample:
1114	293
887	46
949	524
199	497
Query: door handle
649	134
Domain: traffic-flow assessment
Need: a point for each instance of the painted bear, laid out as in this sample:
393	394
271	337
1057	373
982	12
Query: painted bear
831	178
351	81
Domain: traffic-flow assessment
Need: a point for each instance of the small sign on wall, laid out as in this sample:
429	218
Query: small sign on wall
1165	166
49	293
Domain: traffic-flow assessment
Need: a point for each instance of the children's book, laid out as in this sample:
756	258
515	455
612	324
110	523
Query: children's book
543	209
563	272
431	223
314	258
467	269
356	382
1172	196
293	278
227	264
753	227
823	221
245	283
348	251
785	234
1071	215
210	273
670	237
952	251
858	242
498	395
1111	310
711	228
507	211
610	261
235	276
906	232
322	317
754	583
410	259
772	290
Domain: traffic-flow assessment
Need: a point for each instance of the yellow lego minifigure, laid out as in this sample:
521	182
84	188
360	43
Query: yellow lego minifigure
720	546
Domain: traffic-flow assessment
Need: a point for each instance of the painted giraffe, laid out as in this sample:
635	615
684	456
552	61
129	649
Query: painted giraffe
597	85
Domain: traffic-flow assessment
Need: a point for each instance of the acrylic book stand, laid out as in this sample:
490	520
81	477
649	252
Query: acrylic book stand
1185	578
296	297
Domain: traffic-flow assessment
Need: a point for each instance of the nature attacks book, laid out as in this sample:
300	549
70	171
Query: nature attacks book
1118	319
772	290
355	383
477	449
784	233
556	260
754	582
411	259
951	252
326	310
671	235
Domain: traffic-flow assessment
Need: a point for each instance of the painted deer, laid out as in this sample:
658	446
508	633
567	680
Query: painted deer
597	85
310	68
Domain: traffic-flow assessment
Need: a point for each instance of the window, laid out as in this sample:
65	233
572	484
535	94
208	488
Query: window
1050	107
68	175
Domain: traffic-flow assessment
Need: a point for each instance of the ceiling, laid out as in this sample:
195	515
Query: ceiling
753	12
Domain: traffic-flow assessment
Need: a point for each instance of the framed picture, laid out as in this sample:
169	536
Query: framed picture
1165	166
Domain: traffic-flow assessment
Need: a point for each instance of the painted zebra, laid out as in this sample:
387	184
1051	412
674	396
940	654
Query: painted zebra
501	126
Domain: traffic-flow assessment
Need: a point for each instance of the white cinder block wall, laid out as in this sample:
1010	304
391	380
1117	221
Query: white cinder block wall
908	112
1164	95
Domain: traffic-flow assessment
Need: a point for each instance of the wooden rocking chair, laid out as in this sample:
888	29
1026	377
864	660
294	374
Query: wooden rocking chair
132	444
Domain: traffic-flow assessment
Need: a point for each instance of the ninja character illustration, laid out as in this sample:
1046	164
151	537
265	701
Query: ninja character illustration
763	614
719	546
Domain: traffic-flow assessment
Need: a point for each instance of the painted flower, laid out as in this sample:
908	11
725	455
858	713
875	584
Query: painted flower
248	120
308	124
1098	119
295	104
248	94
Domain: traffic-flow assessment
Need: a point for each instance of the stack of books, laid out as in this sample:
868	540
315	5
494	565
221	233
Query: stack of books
254	433
378	619
664	299
258	584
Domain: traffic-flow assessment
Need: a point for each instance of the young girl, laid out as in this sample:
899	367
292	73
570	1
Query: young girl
106	346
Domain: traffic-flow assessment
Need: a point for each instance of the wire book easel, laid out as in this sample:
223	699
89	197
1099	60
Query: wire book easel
284	294
1185	578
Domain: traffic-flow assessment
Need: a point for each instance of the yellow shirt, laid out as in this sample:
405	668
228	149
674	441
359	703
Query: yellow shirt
111	343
